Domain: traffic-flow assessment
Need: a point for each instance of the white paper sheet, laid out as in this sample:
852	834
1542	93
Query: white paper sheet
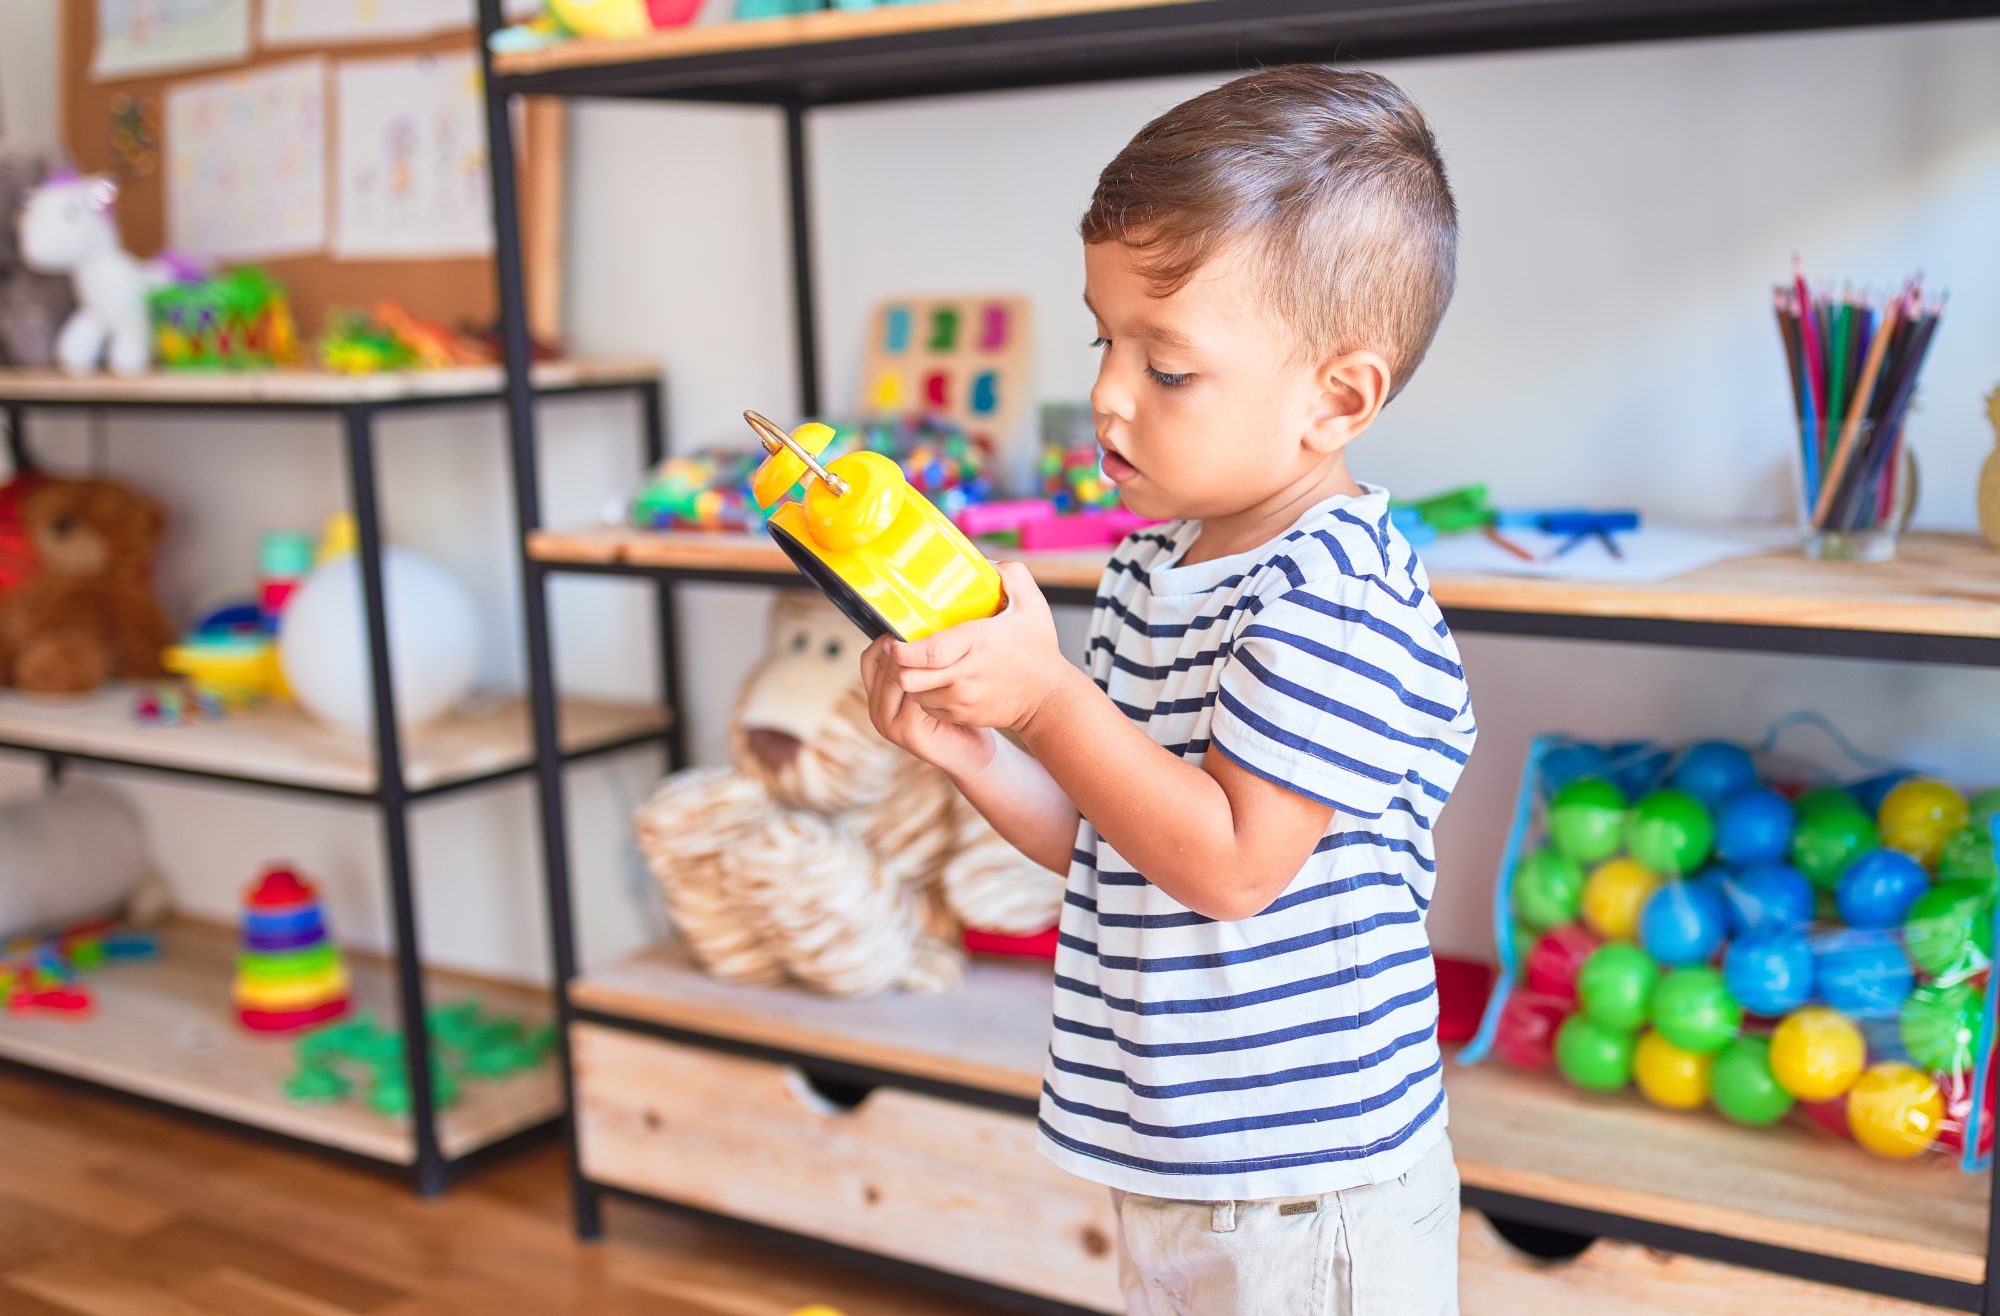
1654	552
246	163
157	36
411	162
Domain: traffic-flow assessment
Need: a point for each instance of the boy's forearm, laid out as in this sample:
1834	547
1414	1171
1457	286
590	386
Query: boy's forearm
1024	803
1167	817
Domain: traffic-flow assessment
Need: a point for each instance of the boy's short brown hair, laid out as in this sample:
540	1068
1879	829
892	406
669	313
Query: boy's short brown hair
1331	179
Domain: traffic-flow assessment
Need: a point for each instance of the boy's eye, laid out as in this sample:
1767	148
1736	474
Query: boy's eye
1100	342
1169	381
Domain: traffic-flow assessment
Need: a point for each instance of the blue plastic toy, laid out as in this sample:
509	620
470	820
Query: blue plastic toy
1877	890
1754	827
1771	973
1769	898
1564	764
1714	772
1683	922
1642	765
1862	973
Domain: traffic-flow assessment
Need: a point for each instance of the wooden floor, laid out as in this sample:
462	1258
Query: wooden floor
107	1209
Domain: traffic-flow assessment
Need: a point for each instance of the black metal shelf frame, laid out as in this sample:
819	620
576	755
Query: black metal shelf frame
1197	36
431	1171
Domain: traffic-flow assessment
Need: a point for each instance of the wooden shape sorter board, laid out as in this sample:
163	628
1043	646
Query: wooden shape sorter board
962	357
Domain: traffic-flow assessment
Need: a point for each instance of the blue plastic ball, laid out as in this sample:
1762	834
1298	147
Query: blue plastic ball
1870	794
1683	923
1754	827
1713	771
1639	767
1862	973
1563	764
1877	890
1770	973
1769	898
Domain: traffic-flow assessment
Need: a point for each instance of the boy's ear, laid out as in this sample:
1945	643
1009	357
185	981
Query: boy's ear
1353	388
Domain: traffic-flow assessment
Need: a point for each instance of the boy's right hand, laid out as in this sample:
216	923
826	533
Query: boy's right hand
961	751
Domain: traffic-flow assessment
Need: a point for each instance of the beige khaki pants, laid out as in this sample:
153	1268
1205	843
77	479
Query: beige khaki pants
1389	1249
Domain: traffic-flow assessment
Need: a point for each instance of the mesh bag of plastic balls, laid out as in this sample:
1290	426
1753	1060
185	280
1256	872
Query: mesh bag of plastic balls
1720	927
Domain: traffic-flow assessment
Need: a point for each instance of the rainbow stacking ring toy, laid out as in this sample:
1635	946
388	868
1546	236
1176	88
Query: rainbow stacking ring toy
289	974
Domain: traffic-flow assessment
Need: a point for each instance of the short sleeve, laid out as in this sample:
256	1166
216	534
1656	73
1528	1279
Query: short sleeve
1339	693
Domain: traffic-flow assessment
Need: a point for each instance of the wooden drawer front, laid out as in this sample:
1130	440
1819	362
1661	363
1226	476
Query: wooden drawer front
951	1186
1498	1279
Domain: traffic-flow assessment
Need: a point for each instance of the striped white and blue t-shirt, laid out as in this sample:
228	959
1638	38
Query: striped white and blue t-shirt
1295	1052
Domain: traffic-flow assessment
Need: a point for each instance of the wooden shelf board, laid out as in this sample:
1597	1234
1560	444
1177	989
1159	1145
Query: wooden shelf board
282	744
1938	584
751	555
1526	1134
992	1034
166	1029
1533	1135
815	28
225	387
839	55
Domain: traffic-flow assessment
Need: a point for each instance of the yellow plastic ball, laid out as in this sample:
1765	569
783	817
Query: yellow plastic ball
1817	1053
1670	1075
1895	1110
1919	815
1615	892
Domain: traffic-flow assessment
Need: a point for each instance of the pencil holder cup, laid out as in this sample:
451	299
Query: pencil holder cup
1855	488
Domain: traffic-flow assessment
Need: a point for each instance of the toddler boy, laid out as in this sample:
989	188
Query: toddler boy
1242	787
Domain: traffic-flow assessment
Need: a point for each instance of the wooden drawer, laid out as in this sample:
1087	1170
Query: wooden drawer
956	1187
1498	1279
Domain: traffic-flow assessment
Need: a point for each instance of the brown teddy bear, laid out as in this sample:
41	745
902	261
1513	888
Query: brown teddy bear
84	613
825	855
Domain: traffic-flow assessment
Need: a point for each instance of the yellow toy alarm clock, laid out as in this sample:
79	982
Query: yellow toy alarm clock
876	547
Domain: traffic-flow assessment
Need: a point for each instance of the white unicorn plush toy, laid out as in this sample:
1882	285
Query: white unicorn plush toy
67	226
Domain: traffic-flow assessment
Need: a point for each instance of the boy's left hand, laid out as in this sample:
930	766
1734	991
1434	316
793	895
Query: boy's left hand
989	673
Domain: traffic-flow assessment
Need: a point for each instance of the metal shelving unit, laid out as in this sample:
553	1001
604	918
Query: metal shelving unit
978	45
278	750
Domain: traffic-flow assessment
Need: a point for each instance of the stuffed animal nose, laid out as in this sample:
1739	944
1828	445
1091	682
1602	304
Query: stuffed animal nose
774	749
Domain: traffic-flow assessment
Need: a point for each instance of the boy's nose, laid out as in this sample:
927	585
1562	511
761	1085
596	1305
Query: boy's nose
1109	401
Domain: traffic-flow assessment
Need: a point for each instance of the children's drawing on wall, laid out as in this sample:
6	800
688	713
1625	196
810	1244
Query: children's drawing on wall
156	36
411	167
246	163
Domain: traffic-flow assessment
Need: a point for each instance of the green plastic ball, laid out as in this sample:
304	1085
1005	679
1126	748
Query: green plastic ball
1968	857
1587	820
1525	938
1823	797
1595	1058
1548	889
1940	1026
1693	1009
1670	832
1949	932
1615	986
1830	838
1982	807
1743	1087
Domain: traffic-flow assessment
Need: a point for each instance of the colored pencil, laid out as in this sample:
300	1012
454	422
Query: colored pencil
1852	364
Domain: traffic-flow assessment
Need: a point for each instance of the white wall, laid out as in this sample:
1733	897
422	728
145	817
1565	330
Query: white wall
1624	210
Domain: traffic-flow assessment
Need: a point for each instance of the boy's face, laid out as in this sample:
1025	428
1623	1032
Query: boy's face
1203	407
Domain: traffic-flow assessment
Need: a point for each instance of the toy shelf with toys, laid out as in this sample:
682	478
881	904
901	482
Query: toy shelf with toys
876	53
901	1128
1938	600
343	740
164	1028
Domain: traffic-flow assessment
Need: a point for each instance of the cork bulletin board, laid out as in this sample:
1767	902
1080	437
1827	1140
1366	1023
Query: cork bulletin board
119	127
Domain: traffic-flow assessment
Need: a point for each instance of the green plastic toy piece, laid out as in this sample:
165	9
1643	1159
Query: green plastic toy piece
316	1084
1456	510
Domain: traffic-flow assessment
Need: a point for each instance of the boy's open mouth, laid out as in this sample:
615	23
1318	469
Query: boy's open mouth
1116	469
